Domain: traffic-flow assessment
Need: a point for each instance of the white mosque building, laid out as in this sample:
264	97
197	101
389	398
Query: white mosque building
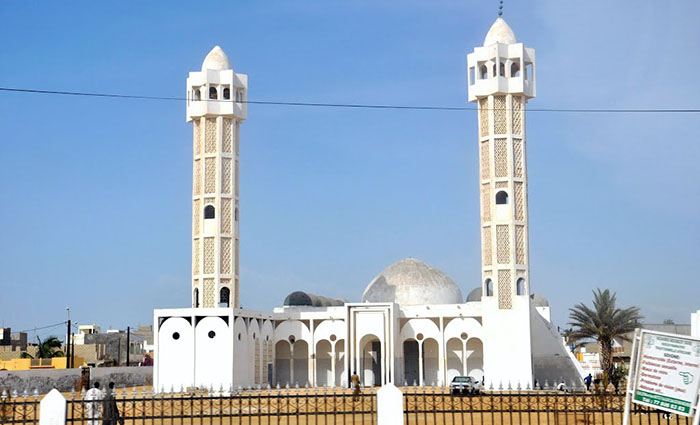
412	325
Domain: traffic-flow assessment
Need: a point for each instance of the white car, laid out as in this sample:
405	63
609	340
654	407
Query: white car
465	385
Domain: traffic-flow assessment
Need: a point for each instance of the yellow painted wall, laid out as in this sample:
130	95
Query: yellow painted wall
26	364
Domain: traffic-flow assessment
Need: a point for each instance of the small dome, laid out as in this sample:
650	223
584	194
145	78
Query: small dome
412	282
475	295
539	301
500	32
298	298
216	60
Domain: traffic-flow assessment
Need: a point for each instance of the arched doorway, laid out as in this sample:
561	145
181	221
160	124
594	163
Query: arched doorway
324	361
431	364
283	355
454	357
371	361
300	373
410	362
475	358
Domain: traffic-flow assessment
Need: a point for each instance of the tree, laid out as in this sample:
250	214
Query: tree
603	323
46	349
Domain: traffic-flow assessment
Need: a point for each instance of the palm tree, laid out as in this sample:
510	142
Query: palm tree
46	349
603	323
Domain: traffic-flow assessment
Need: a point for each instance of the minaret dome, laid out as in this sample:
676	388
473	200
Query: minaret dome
216	60
500	32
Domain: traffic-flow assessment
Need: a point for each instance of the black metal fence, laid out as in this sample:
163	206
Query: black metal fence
338	406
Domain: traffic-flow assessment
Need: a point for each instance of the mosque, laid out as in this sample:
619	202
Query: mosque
412	326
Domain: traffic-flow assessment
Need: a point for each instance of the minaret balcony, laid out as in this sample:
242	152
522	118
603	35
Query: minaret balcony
226	108
501	85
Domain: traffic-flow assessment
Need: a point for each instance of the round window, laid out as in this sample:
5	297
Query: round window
332	338
292	339
419	337
464	335
211	334
176	335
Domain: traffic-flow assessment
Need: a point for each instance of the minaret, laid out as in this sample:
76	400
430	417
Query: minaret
501	80
216	106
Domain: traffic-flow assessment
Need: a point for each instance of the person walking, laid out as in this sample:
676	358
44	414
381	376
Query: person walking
93	404
355	381
587	380
111	411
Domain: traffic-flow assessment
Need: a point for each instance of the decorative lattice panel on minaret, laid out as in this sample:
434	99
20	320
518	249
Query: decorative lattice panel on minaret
484	117
226	216
209	175
519	201
196	215
505	296
500	157
486	246
197	137
209	260
197	178
210	142
517	115
520	244
225	255
226	175
195	256
517	158
227	137
486	201
209	298
499	115
485	163
502	244
501	185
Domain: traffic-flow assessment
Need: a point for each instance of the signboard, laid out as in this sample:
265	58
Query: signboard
665	372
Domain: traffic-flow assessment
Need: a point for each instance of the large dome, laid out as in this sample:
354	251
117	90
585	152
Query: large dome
412	282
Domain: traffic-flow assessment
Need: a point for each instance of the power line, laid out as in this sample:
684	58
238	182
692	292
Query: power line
44	327
352	105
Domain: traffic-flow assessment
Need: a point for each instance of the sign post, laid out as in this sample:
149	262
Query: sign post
664	373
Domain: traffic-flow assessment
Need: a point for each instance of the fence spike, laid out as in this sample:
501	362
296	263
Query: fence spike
527	387
432	384
546	384
143	392
3	396
35	393
510	387
519	387
25	393
500	386
72	393
83	392
278	385
287	385
268	386
14	394
415	384
490	385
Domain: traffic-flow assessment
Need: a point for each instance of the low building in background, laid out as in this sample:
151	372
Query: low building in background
12	341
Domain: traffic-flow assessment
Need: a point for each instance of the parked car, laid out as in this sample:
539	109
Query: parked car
465	385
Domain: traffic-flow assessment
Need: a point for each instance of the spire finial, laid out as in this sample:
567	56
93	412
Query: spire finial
500	9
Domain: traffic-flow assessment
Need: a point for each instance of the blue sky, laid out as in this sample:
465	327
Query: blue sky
96	192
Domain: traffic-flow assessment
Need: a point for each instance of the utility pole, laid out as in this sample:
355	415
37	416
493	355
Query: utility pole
128	345
68	347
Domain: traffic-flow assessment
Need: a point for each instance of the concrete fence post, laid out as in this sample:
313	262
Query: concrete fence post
389	405
52	409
